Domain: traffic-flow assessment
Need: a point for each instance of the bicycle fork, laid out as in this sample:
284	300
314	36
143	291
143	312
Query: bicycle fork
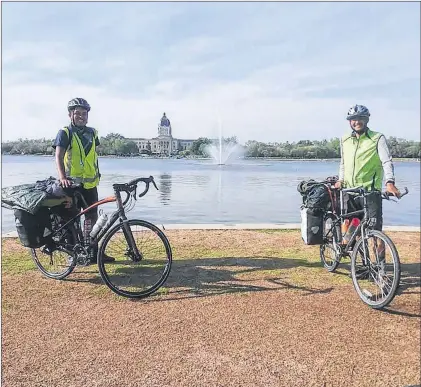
132	250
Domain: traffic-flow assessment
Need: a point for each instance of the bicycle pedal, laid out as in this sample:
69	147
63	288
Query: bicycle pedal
83	262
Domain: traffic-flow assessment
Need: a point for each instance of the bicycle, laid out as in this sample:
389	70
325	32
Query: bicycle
369	264
67	247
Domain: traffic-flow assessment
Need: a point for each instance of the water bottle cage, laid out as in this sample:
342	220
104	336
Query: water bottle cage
99	225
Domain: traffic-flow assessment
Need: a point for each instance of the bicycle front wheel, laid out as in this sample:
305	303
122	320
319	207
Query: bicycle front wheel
142	259
375	269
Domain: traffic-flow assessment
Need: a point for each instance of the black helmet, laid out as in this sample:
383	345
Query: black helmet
78	102
357	111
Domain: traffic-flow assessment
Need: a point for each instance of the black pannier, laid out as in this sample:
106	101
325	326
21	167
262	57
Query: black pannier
33	230
311	226
315	195
318	198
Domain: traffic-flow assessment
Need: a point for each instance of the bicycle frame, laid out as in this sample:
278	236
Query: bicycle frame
118	238
361	228
118	214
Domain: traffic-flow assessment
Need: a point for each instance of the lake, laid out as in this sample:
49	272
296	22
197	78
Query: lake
199	191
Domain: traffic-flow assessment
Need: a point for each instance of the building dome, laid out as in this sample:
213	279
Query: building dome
165	121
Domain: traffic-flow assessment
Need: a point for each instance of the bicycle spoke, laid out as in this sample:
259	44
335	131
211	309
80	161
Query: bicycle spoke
375	269
50	259
127	275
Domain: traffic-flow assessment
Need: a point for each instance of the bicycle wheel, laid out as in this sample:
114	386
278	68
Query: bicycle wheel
328	252
50	259
375	269
125	276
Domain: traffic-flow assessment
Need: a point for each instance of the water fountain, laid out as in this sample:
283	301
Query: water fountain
223	150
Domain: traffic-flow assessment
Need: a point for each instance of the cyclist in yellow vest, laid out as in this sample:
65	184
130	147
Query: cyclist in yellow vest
366	161
76	157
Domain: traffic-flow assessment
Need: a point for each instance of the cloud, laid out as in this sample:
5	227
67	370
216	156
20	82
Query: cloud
243	110
273	71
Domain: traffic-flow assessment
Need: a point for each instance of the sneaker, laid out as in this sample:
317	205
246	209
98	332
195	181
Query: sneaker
106	259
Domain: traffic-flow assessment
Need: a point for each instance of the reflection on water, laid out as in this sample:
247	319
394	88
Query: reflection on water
198	191
164	184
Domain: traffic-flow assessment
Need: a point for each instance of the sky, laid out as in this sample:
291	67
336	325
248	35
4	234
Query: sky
271	72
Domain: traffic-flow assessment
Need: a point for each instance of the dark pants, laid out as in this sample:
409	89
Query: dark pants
91	197
375	207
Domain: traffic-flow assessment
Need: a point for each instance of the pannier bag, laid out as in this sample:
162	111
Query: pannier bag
311	226
318	195
315	194
33	230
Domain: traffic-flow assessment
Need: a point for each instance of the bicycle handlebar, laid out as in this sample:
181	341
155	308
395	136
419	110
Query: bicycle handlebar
131	186
361	190
387	195
146	180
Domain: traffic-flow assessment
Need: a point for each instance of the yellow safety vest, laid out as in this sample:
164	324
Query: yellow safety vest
78	165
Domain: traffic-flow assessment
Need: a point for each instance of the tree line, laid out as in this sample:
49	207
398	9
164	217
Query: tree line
112	144
117	145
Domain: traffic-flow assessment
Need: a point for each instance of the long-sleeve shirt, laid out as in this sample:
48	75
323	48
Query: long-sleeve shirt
385	158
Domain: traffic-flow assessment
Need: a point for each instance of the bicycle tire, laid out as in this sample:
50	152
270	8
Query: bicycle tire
396	265
330	265
168	257
68	268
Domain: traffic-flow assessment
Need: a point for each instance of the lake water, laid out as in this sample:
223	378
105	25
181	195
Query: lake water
198	191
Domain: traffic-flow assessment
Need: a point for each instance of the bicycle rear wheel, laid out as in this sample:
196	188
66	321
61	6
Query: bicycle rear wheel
50	259
375	269
328	252
126	276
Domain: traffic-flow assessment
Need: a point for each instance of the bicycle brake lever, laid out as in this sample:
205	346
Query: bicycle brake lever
404	193
153	181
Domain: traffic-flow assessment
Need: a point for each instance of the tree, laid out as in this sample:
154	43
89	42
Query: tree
114	136
196	148
232	140
6	148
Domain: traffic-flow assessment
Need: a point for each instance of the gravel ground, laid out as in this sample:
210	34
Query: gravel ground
262	314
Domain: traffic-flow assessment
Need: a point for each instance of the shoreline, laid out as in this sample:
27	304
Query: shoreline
244	226
209	158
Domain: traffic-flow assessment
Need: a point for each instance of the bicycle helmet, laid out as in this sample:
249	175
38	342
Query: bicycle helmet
78	102
357	111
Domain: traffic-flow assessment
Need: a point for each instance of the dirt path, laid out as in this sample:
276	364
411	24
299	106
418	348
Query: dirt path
243	308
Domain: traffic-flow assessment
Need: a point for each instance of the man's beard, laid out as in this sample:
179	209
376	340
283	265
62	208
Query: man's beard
360	131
